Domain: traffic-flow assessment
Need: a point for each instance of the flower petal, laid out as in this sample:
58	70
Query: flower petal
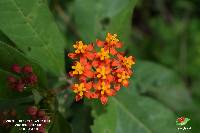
113	51
100	43
72	55
104	100
90	47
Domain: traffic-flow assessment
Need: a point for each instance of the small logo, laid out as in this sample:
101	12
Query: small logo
182	121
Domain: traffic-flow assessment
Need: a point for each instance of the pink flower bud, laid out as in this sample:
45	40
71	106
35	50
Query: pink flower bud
27	69
11	79
19	87
33	79
16	68
40	113
32	110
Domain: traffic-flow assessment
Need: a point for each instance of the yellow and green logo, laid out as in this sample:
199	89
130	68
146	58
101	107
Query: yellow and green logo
182	121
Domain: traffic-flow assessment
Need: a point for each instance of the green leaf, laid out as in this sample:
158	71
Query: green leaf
130	112
81	118
60	125
103	16
10	56
4	38
13	103
162	84
30	25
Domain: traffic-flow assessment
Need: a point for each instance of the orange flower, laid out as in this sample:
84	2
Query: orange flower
78	68
107	69
81	89
103	54
110	44
112	39
123	78
128	62
102	72
82	51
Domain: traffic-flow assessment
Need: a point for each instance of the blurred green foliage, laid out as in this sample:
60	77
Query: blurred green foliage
163	35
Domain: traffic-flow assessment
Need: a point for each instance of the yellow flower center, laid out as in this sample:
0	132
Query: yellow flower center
123	76
103	54
128	62
79	89
112	39
102	72
78	68
104	88
80	47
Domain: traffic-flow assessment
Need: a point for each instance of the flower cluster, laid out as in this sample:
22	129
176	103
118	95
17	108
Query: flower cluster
37	114
100	74
26	78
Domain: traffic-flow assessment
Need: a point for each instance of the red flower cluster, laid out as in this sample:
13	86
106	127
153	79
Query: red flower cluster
100	73
37	114
27	78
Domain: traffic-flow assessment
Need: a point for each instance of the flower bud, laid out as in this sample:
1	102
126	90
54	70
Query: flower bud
32	110
16	68
27	69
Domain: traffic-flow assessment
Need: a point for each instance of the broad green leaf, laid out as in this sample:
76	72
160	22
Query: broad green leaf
103	16
10	56
163	84
5	39
129	112
30	25
60	125
81	118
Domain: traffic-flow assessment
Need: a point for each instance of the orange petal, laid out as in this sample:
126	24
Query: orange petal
72	55
94	95
78	97
104	100
119	45
107	61
90	56
90	47
112	92
71	74
120	56
99	43
83	60
82	78
87	94
125	83
113	51
88	74
115	63
110	78
88	85
117	87
95	63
